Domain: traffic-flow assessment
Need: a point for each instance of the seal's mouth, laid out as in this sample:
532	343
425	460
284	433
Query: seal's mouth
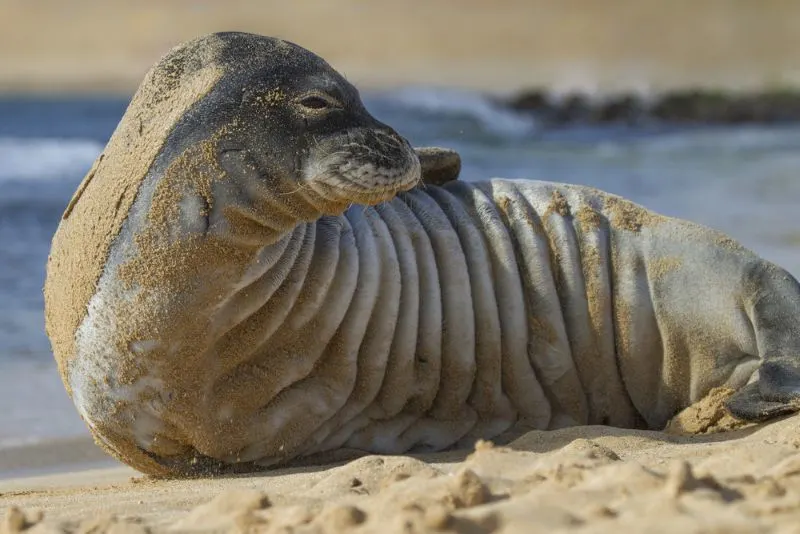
367	166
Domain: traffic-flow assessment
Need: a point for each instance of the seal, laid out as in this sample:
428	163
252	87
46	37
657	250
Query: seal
256	270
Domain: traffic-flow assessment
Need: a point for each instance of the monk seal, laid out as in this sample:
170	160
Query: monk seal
252	272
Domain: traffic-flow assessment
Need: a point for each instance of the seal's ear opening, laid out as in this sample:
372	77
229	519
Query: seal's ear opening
438	165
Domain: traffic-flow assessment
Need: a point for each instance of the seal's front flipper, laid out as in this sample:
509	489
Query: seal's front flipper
775	315
439	165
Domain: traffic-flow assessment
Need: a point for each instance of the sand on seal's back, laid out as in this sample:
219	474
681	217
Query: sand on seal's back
99	207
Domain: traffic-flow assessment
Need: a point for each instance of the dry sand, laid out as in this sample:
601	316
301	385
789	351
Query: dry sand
589	479
101	45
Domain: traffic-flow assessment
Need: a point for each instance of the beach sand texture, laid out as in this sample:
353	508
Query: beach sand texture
96	45
591	479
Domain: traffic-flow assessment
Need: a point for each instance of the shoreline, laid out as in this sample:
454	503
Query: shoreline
51	457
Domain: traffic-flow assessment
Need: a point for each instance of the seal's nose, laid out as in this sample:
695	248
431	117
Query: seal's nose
384	129
385	148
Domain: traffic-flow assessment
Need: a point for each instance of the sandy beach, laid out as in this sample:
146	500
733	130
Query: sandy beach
706	473
589	479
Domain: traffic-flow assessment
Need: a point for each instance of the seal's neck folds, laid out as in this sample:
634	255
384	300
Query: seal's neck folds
255	209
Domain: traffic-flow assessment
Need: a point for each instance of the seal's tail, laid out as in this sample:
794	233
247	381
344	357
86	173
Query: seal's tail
775	315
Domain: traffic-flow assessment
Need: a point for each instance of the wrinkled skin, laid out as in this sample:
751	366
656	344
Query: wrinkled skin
285	282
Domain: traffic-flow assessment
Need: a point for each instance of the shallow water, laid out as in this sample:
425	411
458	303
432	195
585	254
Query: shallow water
744	181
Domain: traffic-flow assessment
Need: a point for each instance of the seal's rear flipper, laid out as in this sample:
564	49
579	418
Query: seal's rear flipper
748	404
439	165
775	393
775	314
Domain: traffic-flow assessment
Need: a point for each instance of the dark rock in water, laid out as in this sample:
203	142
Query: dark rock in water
710	107
626	109
576	108
694	106
699	106
778	106
727	108
534	101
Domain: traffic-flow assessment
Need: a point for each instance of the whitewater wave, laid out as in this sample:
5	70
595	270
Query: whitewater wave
19	442
453	103
45	158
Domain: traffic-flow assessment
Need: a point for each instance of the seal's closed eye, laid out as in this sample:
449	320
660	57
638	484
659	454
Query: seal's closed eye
314	102
318	102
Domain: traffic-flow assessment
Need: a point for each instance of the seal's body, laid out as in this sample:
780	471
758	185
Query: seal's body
267	279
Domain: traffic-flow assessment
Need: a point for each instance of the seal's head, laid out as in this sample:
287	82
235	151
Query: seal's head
282	114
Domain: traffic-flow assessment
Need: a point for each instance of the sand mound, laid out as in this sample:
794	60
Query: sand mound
706	416
581	479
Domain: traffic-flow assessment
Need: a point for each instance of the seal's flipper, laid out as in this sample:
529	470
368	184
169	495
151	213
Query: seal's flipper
439	165
750	405
775	315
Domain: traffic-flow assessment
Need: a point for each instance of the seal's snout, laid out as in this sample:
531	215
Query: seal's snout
363	166
382	158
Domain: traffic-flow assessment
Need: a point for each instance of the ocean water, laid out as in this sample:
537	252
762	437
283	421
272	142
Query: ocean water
743	180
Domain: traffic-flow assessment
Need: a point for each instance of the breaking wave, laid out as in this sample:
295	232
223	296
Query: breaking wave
45	158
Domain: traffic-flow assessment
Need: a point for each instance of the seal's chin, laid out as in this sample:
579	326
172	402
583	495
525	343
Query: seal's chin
366	169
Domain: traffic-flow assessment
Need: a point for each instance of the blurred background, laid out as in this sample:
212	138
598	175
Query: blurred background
690	108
